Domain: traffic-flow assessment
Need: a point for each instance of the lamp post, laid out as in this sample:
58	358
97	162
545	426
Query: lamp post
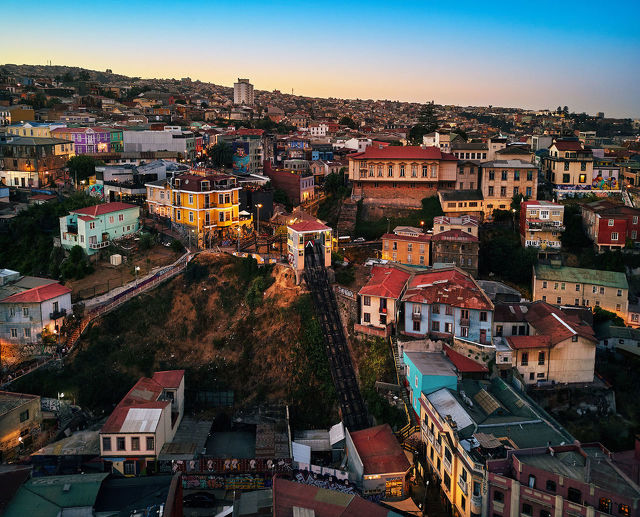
259	206
239	230
137	268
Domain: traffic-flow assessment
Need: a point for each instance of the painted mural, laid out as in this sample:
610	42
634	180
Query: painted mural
96	190
241	158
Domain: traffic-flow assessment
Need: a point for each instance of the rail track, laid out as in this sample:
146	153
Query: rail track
354	411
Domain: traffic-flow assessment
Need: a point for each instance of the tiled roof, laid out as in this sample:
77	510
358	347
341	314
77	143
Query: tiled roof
410	152
385	282
524	342
104	208
379	450
38	294
550	321
463	220
510	312
449	286
308	226
568	145
464	364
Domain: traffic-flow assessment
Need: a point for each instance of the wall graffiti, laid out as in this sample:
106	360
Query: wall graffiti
324	481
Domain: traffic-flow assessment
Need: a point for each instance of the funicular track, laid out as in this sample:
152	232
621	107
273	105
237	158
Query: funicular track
354	412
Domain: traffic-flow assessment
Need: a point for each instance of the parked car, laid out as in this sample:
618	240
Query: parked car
199	500
359	239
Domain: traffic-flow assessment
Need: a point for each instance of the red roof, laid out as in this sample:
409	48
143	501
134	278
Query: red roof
247	132
385	282
169	378
464	364
409	152
407	238
104	208
524	342
449	286
568	145
38	294
308	226
454	235
323	502
86	218
379	450
43	197
558	326
144	394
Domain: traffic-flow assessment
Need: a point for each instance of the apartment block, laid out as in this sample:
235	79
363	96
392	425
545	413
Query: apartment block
407	245
503	179
541	224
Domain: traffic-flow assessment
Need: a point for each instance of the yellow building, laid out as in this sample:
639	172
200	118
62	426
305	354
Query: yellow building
586	287
503	179
406	245
202	204
569	166
31	129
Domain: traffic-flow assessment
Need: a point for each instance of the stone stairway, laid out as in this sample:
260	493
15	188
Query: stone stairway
400	372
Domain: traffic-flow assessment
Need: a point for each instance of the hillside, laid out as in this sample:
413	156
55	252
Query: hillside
231	325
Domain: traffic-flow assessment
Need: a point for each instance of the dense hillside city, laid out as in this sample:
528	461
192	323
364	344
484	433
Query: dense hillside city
222	300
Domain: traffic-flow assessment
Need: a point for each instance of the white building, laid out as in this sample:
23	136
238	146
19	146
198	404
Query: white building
30	304
144	420
173	138
318	129
243	92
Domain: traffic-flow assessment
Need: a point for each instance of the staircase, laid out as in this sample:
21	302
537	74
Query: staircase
347	217
412	418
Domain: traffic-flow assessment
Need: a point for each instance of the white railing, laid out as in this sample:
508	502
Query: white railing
463	485
447	464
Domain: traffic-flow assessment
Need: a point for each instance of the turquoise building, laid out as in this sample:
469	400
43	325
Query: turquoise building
428	372
94	227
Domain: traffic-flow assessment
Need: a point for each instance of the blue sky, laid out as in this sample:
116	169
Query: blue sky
530	54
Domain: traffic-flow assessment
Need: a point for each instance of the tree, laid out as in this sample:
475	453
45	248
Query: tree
601	315
427	123
82	167
565	110
221	155
348	121
559	109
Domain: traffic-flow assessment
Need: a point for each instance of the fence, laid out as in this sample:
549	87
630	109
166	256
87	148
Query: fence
120	298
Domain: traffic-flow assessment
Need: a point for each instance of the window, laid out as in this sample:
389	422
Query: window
619	292
504	175
623	509
610	222
390	171
562	286
566	166
577	287
135	443
409	247
529	192
524	360
492	175
92	226
604	505
574	495
503	191
529	175
25	312
190	217
414	171
106	443
366	317
614	236
558	300
583	166
416	326
527	509
150	443
120	217
463	502
395	245
14	333
464	331
602	290
424	171
483	316
544	284
27	332
491	190
435	309
566	178
516	175
402	171
448	328
24	416
618	307
540	358
555	286
498	496
448	310
415	381
120	443
366	300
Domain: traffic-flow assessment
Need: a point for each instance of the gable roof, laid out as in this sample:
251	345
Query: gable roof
385	282
409	152
550	321
103	208
38	294
308	226
464	364
454	235
581	276
568	145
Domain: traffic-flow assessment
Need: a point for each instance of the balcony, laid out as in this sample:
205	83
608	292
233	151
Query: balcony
72	228
383	310
447	464
60	313
416	316
463	485
464	322
438	447
476	500
535	226
98	245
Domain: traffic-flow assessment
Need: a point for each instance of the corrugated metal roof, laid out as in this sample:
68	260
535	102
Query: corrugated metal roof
446	404
140	420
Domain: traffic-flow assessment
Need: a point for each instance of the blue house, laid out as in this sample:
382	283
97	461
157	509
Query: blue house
428	372
447	303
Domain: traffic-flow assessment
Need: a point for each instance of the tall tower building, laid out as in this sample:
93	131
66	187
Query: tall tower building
243	92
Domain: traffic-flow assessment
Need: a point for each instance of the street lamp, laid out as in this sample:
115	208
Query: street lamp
137	268
259	206
239	230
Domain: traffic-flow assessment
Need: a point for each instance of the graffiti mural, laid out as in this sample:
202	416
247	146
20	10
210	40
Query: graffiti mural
241	158
324	481
230	482
96	190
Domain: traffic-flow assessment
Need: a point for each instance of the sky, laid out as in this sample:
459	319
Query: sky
537	55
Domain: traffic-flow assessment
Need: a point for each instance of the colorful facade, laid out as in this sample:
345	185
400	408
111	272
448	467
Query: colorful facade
407	245
541	224
92	140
